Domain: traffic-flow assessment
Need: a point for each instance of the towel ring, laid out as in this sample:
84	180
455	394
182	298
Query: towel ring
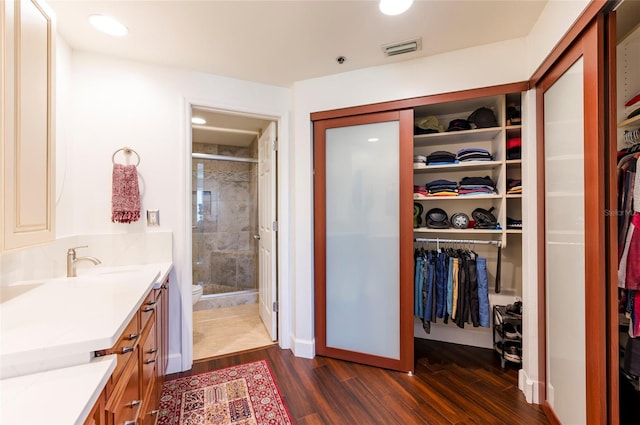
127	151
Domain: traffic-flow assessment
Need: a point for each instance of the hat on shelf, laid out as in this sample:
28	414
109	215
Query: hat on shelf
427	125
437	219
483	118
458	125
513	116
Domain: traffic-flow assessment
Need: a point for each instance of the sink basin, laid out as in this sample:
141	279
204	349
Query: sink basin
119	271
13	290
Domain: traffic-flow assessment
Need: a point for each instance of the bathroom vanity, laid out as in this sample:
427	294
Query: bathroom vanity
90	349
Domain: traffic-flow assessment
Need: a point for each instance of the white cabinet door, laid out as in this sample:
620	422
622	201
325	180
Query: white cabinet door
27	68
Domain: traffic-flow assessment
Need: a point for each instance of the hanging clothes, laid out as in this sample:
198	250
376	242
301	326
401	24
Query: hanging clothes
451	284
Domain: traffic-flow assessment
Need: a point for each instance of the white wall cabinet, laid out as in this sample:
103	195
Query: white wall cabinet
27	123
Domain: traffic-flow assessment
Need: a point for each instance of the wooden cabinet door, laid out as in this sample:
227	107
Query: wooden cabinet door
27	105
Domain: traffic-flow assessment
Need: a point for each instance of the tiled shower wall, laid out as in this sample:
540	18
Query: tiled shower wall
224	251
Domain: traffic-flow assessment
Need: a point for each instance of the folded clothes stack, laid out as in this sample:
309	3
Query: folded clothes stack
513	223
419	190
419	160
514	186
442	187
441	157
470	186
474	154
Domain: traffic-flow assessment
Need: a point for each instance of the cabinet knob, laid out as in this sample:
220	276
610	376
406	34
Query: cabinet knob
149	361
126	350
153	350
130	422
151	303
148	309
133	336
135	403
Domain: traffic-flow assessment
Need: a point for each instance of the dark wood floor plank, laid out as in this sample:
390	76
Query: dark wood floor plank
452	385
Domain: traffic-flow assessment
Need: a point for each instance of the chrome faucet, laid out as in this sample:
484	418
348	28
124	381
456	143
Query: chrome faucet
72	260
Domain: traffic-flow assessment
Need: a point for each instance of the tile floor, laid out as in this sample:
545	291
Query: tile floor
228	330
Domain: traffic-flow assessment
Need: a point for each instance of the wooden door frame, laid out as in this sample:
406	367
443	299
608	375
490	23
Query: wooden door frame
589	45
405	272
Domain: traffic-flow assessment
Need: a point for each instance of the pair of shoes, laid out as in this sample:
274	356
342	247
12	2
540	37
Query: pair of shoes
515	309
510	350
509	330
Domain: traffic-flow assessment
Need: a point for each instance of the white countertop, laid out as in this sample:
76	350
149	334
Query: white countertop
60	396
62	321
49	332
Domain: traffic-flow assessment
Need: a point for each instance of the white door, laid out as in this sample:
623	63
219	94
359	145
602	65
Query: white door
267	235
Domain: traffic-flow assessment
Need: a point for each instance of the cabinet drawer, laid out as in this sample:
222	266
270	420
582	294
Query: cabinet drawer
124	405
125	347
149	411
147	309
148	357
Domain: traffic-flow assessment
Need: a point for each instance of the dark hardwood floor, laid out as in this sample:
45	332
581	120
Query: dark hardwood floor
453	384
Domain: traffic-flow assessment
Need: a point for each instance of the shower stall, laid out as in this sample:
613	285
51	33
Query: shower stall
224	223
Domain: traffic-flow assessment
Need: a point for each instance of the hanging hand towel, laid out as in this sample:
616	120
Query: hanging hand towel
125	199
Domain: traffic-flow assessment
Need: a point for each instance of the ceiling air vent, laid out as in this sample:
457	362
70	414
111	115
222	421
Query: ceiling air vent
401	47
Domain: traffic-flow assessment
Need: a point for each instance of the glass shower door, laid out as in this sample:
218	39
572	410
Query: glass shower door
224	223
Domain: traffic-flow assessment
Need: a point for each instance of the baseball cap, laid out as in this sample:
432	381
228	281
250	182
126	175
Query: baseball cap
428	125
483	118
459	124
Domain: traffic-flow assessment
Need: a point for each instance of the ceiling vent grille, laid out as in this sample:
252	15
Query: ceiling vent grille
402	47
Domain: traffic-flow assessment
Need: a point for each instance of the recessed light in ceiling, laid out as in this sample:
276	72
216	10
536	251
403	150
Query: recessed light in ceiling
108	25
198	120
394	7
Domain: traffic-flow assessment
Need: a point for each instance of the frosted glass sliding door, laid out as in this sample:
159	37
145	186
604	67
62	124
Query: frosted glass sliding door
571	105
564	236
358	190
363	299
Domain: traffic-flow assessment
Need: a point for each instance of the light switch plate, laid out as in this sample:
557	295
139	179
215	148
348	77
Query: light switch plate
153	218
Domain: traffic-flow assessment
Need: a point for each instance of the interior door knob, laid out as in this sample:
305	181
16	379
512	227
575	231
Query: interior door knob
256	237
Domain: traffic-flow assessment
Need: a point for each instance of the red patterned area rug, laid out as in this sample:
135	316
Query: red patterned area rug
246	394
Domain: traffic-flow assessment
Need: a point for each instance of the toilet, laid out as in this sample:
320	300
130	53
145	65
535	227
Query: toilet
196	293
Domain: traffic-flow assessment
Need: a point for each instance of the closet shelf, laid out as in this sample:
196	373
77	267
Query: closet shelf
514	196
465	166
514	162
461	231
514	231
630	122
455	137
454	198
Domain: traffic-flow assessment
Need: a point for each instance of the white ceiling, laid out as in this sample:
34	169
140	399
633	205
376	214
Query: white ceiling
280	42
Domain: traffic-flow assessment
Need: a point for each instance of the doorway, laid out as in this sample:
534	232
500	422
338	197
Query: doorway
231	219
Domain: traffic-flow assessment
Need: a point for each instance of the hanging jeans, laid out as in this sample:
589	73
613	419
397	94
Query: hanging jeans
429	312
442	276
450	287
483	292
418	308
473	293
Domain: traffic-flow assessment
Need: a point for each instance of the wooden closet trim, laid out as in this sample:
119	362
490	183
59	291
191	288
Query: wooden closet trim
611	222
421	101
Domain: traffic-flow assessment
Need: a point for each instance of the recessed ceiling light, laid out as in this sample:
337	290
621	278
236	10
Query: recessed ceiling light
108	25
198	120
394	7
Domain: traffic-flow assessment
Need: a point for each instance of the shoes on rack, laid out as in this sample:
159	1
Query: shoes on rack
515	309
510	350
509	330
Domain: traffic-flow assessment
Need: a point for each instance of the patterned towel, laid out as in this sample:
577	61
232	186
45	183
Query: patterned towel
125	195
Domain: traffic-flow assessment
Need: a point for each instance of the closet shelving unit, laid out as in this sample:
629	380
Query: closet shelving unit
494	139
499	169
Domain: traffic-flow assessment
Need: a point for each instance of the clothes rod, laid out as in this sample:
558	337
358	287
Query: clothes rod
222	157
459	241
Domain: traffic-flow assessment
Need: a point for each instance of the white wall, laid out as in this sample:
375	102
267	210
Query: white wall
118	103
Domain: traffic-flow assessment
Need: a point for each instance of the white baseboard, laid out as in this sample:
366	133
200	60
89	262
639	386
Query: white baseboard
303	347
175	363
529	387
